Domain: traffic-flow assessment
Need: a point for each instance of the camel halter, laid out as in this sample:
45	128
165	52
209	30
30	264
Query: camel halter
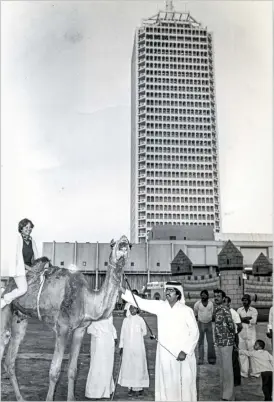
42	280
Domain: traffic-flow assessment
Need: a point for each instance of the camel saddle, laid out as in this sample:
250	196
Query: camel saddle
39	269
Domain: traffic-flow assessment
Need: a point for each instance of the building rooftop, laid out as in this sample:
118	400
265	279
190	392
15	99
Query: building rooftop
181	232
170	15
264	237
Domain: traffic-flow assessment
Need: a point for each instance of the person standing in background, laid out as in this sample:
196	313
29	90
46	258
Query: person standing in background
224	339
203	310
269	333
235	353
247	336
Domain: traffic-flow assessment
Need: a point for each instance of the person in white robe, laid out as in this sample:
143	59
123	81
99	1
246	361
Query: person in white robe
247	336
175	368
133	372
100	382
269	333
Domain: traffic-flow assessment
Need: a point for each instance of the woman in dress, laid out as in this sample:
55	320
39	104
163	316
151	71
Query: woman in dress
26	253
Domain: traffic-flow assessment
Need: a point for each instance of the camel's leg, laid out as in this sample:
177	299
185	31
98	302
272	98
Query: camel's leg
6	319
72	367
18	330
56	363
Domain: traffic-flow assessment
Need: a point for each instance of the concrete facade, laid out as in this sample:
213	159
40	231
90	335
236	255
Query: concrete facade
151	261
231	282
174	144
262	286
217	263
181	232
154	256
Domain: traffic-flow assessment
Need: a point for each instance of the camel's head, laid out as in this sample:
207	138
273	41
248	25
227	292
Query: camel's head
119	250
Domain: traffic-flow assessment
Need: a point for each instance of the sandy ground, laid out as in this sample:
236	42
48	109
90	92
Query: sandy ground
35	357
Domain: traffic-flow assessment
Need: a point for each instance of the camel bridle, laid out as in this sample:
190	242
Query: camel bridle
42	281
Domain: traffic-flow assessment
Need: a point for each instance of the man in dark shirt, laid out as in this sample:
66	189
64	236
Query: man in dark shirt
224	339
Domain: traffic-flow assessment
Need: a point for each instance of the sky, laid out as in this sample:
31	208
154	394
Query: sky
65	129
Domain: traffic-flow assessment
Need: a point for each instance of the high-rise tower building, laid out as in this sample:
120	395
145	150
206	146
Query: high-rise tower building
174	153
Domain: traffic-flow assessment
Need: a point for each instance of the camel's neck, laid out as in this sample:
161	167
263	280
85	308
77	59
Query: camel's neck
103	301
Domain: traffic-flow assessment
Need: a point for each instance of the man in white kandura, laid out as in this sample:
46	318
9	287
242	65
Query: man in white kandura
175	368
247	336
102	347
269	333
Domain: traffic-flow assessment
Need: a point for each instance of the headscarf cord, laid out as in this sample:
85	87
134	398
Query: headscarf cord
152	336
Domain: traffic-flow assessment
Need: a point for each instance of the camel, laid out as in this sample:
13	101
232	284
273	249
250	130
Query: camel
67	305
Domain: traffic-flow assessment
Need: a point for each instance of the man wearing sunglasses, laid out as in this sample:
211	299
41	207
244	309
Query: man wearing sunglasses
178	334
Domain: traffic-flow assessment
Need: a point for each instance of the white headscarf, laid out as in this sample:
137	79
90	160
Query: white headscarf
127	306
175	285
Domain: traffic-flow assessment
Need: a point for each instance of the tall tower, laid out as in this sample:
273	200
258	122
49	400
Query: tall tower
174	154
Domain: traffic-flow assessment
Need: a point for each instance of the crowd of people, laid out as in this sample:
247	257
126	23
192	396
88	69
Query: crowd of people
180	330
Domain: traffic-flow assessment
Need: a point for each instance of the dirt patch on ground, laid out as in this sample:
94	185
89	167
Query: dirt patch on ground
34	360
